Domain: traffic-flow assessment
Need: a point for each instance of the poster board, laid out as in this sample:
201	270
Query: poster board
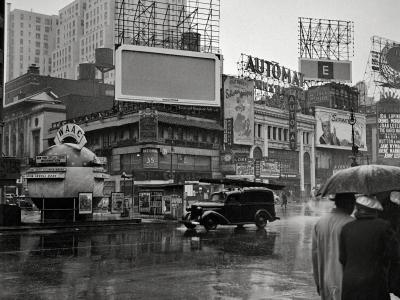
85	203
117	201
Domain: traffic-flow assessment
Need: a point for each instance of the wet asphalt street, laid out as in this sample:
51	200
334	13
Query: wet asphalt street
163	261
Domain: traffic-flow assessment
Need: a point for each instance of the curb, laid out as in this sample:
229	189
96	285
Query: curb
79	225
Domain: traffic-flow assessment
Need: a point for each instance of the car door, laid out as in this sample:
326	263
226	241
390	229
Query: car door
233	208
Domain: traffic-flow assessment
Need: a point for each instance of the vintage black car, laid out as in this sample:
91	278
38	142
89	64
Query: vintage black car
240	207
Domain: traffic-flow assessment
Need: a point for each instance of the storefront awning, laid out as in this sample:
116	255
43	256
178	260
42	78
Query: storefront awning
242	183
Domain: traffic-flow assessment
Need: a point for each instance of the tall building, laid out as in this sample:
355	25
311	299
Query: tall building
31	40
84	26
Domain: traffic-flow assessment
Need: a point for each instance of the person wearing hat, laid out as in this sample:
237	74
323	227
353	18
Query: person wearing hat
391	213
327	269
366	250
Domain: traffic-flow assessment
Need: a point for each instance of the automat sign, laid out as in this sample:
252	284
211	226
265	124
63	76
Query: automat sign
272	70
292	122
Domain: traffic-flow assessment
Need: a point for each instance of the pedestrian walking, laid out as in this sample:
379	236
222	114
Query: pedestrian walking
284	200
327	269
366	250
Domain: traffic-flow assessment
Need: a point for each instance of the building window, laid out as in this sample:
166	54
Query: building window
38	20
36	60
37	51
36	142
47	29
280	134
285	134
274	133
38	28
37	44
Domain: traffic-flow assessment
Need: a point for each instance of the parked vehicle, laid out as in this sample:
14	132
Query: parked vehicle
240	207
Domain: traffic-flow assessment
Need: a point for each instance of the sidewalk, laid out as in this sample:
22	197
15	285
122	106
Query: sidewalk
30	220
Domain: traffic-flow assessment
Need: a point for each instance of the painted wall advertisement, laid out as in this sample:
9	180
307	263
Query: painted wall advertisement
388	135
334	131
239	105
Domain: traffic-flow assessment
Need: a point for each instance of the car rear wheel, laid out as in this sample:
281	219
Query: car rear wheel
188	224
261	219
210	223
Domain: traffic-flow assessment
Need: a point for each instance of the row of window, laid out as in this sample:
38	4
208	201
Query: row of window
38	19
278	134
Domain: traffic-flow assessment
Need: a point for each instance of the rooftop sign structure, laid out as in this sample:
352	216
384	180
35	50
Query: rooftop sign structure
71	131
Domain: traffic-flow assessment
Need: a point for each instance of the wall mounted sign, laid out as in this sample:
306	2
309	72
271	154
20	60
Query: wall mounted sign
73	131
148	125
292	122
47	169
45	175
150	158
228	131
51	159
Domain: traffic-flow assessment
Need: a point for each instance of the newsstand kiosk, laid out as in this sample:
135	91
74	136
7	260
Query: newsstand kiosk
67	179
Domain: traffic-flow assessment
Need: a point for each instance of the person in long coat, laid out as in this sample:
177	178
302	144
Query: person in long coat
366	251
325	247
391	213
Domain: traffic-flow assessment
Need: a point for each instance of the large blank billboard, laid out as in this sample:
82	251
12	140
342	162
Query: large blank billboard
147	74
325	70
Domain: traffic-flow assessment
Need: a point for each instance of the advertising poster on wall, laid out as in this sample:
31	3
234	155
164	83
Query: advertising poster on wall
117	201
85	203
239	105
334	131
388	135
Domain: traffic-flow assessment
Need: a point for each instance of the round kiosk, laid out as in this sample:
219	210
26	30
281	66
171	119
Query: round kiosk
67	180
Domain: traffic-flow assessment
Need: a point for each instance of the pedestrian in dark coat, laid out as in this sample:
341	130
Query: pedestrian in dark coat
366	249
391	213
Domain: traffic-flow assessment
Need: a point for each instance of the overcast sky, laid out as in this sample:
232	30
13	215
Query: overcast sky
268	29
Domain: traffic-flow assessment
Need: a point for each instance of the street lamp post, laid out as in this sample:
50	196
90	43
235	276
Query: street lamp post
354	147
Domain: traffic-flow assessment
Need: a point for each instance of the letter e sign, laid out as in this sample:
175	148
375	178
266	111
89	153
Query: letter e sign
325	69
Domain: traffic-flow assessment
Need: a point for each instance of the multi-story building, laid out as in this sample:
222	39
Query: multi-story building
65	56
31	40
84	26
33	102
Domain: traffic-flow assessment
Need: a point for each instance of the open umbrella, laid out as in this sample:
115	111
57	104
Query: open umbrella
365	179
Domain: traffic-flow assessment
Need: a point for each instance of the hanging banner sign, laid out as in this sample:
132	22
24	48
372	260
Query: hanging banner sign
73	131
292	122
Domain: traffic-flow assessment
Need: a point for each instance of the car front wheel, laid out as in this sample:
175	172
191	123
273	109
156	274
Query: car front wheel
210	223
261	219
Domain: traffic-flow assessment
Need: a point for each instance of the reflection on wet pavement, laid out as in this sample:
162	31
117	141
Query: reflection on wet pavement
164	261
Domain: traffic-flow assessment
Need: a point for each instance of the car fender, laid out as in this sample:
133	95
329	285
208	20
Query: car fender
221	219
270	218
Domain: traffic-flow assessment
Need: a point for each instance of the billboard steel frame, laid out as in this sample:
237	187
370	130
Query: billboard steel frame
326	39
160	23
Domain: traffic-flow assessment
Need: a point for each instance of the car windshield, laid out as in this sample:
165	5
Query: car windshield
218	197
